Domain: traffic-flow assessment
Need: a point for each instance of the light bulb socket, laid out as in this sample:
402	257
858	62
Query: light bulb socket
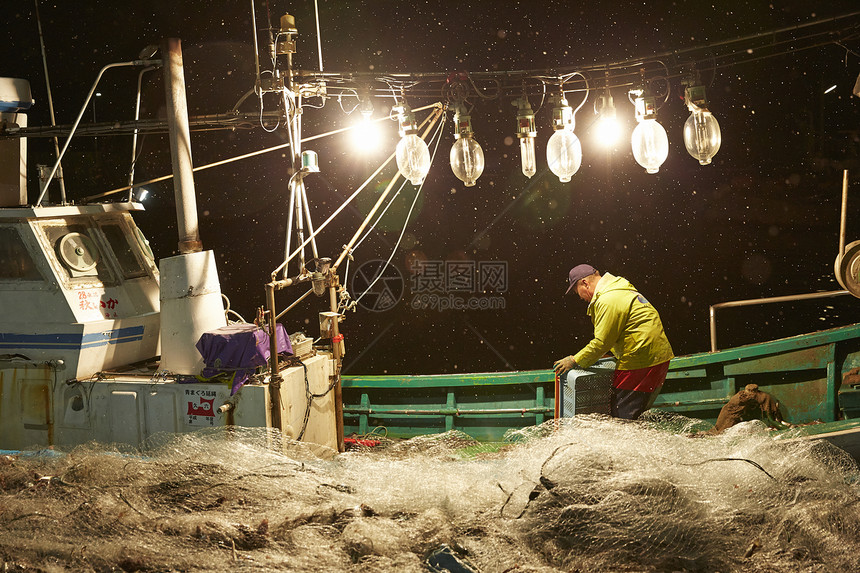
462	123
605	106
405	119
646	108
562	114
695	98
366	108
525	119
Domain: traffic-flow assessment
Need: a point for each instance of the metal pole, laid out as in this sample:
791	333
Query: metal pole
312	237
319	39
275	376
379	202
297	183
134	137
348	247
180	142
256	49
50	106
294	303
300	227
713	314
290	212
78	121
844	211
336	212
337	355
238	158
754	301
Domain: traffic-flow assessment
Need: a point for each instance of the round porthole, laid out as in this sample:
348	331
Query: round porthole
78	252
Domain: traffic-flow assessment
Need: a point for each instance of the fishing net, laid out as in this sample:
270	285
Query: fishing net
694	504
586	494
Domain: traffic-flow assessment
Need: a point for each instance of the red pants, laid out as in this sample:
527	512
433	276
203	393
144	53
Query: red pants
633	391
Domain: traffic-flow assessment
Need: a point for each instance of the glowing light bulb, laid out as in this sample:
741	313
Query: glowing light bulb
564	154
702	136
365	107
650	145
413	158
608	128
366	136
650	142
526	133
412	153
563	150
467	157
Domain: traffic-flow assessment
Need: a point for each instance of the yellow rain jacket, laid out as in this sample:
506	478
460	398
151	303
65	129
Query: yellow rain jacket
625	323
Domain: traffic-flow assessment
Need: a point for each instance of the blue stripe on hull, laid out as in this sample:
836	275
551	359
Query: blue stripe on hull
68	341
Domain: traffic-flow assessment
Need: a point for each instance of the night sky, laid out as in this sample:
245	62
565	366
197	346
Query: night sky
761	221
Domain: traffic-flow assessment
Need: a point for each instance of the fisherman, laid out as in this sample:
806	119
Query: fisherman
629	326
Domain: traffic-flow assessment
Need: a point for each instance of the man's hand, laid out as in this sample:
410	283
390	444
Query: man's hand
564	365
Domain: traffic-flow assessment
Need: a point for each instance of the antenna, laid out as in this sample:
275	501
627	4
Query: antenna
51	107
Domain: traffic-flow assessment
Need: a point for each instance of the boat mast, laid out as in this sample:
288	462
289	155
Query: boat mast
180	142
190	291
283	46
51	107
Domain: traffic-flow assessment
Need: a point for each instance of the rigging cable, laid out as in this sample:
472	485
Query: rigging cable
319	39
390	202
438	137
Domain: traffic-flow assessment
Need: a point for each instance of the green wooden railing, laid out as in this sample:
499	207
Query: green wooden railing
482	405
803	372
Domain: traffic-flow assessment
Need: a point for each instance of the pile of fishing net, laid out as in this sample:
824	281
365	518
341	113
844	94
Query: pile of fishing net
741	502
588	494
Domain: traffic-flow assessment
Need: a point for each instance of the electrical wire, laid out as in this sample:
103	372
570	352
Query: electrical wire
262	125
340	102
382	213
587	89
829	31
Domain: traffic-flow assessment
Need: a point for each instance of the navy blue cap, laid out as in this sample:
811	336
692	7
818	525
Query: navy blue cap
578	273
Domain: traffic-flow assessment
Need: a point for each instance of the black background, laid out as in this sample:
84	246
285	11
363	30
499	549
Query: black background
762	220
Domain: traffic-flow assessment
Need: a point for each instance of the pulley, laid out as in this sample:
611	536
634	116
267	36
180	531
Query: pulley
847	268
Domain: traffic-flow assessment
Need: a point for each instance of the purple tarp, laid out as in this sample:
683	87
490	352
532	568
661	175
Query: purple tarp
239	349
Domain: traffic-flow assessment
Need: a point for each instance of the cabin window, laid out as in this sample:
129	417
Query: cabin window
15	261
78	252
128	262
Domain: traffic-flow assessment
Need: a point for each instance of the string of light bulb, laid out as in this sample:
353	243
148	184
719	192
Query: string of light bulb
649	140
701	132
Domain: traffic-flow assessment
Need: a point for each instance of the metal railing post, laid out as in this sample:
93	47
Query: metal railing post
768	300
